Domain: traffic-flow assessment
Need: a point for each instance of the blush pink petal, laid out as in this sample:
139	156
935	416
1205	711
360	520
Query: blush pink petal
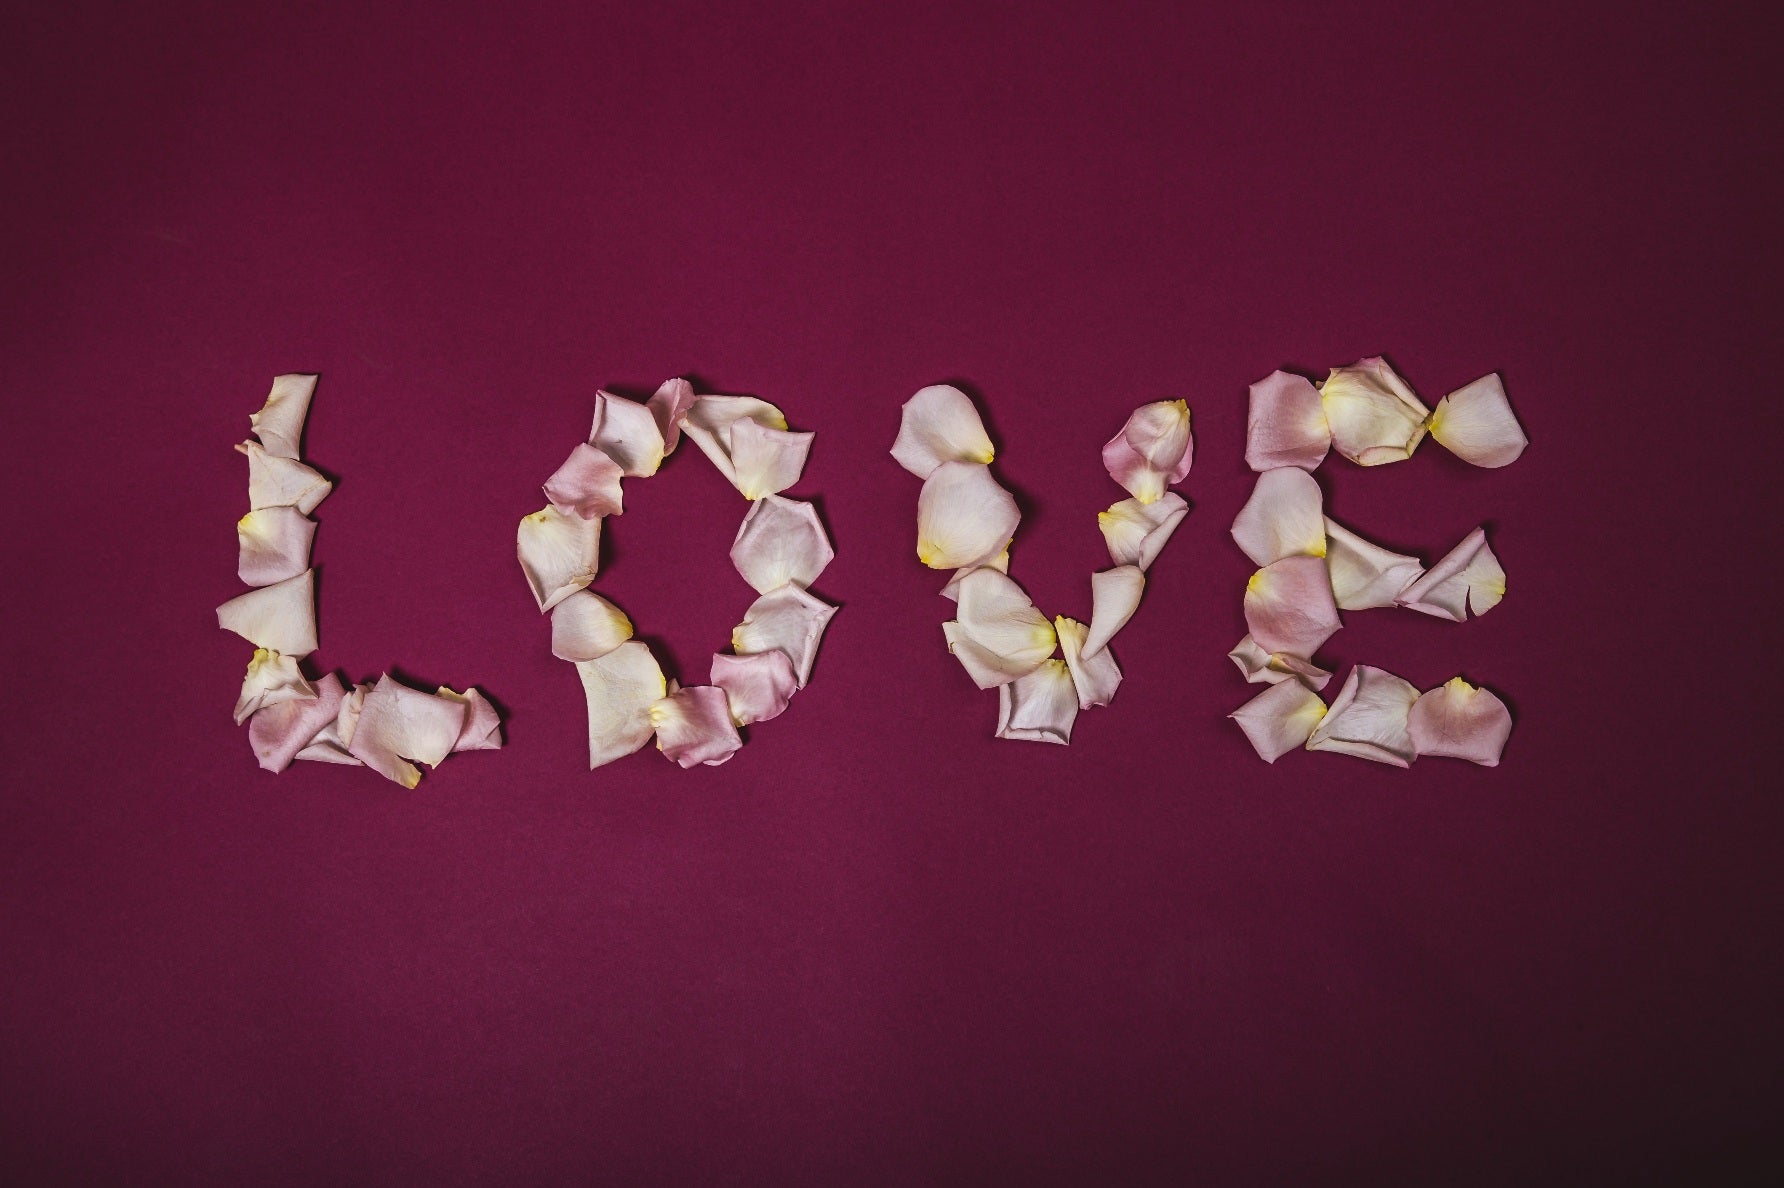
482	730
788	619
1476	424
559	553
271	679
1289	606
951	591
1136	532
1286	425
1460	721
278	732
694	725
280	617
620	688
1284	517
587	484
939	424
330	743
1272	668
1468	578
1364	574
1114	597
963	517
997	634
667	407
780	541
711	423
1152	451
627	432
282	482
1039	707
280	422
1279	719
766	460
1374	416
1095	677
1368	719
758	687
273	544
585	626
399	727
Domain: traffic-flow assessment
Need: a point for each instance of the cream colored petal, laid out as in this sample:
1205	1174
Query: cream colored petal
780	541
1468	578
1039	707
1289	606
1272	668
399	727
1374	416
587	484
788	619
1095	677
939	424
482	730
667	407
1476	424
1287	424
1001	563
710	420
280	617
765	460
1368	718
1364	574
559	553
282	482
280	422
1152	451
627	432
1136	532
273	544
997	634
1279	719
694	726
758	687
271	679
1460	721
585	626
963	516
279	732
1114	597
1283	518
620	688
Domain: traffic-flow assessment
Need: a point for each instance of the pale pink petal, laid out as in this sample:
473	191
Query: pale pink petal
1476	424
1272	668
1287	424
1289	607
482	730
788	619
1095	677
282	482
780	541
280	617
1136	532
280	422
399	727
330	743
1039	707
1468	578
620	688
694	726
1001	563
1279	719
271	678
939	424
1375	417
587	484
627	432
997	634
667	406
1152	451
1368	718
1460	721
1283	518
711	421
559	553
278	732
1114	597
1364	574
273	545
758	687
963	517
766	460
585	626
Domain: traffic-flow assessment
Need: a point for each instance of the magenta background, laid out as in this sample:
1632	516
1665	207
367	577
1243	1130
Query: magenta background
879	945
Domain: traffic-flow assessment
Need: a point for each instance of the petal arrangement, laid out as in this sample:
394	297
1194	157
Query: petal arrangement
1044	671
1311	567
780	550
383	725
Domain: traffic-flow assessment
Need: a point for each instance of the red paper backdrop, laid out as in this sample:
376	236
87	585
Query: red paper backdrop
879	945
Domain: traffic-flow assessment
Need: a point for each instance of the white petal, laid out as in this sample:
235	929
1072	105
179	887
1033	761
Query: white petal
559	553
1136	532
788	619
1468	578
282	482
1368	719
1039	707
939	424
997	633
766	460
585	626
1375	417
1476	424
280	422
1272	668
758	687
620	687
398	724
1364	574
271	678
627	432
963	516
1001	563
781	541
694	726
280	617
1095	677
273	544
1283	518
1279	719
710	419
1114	597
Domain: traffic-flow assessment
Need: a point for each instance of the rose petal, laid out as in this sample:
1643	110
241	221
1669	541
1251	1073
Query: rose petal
1374	416
766	460
277	732
398	725
620	687
788	619
273	544
1468	578
1039	707
781	541
280	617
271	679
939	424
711	420
1095	677
282	482
1460	721
280	422
1363	573
559	553
758	687
694	726
1283	518
1287	424
1289	606
1476	424
1279	719
627	432
963	516
667	406
1001	563
1153	450
1136	532
1272	668
482	730
1368	719
587	484
997	634
1114	597
585	626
